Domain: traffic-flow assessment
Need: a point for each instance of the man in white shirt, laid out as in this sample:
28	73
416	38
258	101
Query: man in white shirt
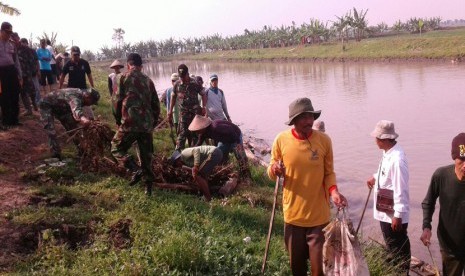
392	175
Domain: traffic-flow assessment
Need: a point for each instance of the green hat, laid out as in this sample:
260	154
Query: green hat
299	106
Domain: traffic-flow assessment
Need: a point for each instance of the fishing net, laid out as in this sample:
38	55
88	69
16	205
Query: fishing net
342	254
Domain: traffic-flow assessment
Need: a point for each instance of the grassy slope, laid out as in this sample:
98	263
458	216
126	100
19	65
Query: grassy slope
172	233
445	44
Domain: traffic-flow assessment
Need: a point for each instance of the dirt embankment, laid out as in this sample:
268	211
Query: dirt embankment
21	149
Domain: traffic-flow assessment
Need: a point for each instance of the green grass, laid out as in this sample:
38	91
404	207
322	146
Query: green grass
444	44
70	225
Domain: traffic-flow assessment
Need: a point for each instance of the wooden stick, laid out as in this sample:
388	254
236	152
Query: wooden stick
170	186
70	131
229	166
270	228
160	124
436	271
363	213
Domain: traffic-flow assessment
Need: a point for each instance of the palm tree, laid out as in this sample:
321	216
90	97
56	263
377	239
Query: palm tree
4	8
359	23
340	26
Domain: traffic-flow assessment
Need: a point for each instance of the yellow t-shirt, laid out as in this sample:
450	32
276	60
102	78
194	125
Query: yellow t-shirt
309	175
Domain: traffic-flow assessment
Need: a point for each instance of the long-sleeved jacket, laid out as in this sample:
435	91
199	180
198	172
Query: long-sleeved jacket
136	106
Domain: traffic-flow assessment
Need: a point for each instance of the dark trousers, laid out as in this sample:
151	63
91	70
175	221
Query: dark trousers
303	243
452	265
121	143
398	245
9	96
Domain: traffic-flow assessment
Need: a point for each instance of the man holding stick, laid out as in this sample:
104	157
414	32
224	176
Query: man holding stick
309	180
448	183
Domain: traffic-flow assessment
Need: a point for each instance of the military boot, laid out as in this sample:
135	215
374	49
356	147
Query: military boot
148	188
136	171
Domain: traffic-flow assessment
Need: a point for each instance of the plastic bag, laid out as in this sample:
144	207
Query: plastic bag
342	254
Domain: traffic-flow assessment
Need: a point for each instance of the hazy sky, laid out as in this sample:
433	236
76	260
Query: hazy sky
89	24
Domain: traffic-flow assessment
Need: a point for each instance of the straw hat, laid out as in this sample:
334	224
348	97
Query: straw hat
384	129
116	63
199	123
299	106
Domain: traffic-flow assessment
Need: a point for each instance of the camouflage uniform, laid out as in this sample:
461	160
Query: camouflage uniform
65	105
29	62
187	96
136	108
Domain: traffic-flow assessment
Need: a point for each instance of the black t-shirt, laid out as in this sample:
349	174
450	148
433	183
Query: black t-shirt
77	73
451	193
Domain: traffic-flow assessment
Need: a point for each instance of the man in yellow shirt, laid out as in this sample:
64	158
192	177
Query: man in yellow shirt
309	181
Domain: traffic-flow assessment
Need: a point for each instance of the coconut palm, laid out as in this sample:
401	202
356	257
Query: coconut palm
4	8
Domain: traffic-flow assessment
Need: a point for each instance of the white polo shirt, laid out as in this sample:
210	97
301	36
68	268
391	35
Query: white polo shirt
393	175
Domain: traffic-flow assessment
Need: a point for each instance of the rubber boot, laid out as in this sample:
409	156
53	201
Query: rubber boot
148	188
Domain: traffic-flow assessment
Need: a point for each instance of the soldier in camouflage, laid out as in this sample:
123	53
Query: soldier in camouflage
136	109
186	91
65	105
29	67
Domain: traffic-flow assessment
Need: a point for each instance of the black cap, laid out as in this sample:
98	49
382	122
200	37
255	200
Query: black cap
134	59
75	50
6	26
24	40
183	70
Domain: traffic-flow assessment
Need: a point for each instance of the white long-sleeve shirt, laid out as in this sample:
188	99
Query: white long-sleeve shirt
393	174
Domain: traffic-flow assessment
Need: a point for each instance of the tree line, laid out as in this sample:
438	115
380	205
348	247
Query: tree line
353	25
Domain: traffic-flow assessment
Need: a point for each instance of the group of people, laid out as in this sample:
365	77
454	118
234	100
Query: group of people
304	157
136	108
26	72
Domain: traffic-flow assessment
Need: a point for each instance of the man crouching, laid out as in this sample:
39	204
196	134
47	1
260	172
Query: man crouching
66	105
202	160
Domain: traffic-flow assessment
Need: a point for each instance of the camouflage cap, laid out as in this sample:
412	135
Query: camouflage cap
94	94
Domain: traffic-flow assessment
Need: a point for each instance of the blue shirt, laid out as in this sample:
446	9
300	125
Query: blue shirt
44	59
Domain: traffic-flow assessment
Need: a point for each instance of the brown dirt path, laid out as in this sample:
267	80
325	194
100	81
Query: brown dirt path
21	149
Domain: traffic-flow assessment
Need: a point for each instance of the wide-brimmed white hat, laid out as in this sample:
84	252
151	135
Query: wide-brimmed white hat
199	122
384	129
116	63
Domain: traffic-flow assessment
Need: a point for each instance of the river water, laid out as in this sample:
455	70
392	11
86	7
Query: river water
425	101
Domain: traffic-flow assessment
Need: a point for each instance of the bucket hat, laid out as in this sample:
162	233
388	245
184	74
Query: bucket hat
384	129
199	122
116	63
299	106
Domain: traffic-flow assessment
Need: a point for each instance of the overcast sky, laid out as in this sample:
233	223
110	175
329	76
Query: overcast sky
90	24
